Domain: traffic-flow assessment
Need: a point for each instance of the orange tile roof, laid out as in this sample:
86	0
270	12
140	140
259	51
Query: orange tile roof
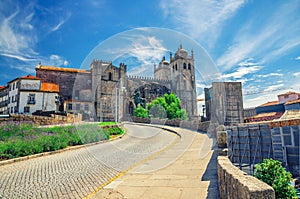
293	102
70	70
270	103
2	87
265	115
49	87
29	77
288	93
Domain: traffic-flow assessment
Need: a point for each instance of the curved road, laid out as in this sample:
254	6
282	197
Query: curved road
77	173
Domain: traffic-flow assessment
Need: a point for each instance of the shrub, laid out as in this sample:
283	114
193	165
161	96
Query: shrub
19	139
271	172
140	112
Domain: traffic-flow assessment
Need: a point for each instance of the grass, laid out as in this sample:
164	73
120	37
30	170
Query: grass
107	123
22	139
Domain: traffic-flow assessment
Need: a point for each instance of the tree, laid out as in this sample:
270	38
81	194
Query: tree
157	111
140	112
271	172
168	106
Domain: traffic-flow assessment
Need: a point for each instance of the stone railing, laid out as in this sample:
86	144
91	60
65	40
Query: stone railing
234	183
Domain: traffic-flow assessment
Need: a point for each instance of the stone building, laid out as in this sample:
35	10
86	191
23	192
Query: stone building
106	92
224	103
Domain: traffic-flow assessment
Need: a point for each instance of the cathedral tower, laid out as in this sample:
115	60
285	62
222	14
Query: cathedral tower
181	71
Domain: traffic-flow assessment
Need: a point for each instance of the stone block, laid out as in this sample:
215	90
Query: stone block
222	139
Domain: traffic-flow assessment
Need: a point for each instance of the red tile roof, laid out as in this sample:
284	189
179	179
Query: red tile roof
49	87
265	117
70	70
270	103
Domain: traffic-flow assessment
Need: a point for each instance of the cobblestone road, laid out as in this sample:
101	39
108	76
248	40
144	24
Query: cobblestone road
77	173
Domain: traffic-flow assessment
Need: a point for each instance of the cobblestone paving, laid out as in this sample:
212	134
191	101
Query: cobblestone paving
77	173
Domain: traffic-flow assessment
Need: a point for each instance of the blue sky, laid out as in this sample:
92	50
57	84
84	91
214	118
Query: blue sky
255	42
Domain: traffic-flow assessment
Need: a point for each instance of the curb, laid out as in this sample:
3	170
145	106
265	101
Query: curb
156	126
10	161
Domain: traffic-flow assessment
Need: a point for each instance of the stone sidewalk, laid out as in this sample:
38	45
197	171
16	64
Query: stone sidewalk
188	169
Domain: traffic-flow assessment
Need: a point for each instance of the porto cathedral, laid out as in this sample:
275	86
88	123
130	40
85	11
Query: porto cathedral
105	92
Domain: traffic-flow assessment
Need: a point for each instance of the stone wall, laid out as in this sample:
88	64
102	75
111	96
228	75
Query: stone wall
233	183
43	120
195	124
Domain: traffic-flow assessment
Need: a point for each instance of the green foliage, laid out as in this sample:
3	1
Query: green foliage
157	111
168	106
140	112
271	172
107	123
21	139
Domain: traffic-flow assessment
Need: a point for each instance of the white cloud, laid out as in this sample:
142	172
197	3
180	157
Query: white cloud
272	39
66	63
296	74
61	22
20	32
270	75
200	19
242	71
297	58
147	50
274	87
18	57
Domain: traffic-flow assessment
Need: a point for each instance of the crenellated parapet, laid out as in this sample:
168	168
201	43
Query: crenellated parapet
149	79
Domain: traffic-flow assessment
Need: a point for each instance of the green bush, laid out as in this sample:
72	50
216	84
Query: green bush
271	172
140	112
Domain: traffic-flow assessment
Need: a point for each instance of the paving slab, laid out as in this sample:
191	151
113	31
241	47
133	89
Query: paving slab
186	170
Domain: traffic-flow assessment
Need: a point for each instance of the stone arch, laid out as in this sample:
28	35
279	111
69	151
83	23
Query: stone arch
147	92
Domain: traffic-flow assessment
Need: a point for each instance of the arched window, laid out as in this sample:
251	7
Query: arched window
189	66
176	66
184	65
109	76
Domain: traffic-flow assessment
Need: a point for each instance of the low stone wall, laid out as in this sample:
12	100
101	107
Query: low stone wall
43	120
233	183
194	124
203	126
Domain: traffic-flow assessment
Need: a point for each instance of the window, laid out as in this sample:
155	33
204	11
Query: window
76	94
86	107
184	65
11	109
26	109
70	107
176	66
77	106
13	99
31	99
16	110
109	76
13	86
286	96
189	66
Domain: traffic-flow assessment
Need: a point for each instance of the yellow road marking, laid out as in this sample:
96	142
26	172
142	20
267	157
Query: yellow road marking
133	166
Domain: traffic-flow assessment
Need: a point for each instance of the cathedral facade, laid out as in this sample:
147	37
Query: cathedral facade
107	93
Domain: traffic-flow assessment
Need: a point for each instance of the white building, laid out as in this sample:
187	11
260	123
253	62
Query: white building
3	99
28	94
288	96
